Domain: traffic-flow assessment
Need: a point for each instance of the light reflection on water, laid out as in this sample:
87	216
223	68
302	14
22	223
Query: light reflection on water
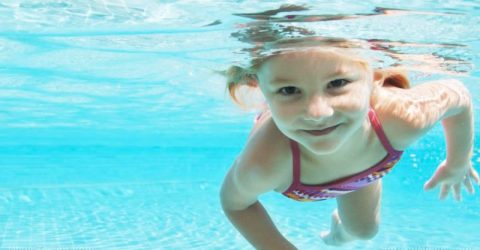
115	131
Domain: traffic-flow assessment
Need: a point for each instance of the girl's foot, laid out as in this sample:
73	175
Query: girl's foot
337	235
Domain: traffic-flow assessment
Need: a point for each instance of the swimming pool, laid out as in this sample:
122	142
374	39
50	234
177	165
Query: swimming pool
115	132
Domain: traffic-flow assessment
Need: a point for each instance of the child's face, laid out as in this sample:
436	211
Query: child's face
318	98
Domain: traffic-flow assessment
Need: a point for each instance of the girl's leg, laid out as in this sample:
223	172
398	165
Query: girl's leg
357	217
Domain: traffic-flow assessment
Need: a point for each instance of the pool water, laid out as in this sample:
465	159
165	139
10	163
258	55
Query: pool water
116	132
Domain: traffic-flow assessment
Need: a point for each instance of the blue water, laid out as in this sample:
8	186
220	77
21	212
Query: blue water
115	132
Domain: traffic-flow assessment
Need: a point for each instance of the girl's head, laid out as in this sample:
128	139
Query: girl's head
318	96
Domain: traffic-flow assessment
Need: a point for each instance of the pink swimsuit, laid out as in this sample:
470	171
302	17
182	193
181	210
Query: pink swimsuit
303	192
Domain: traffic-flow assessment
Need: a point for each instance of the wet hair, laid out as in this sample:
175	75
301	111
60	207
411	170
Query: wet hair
267	39
392	77
245	77
236	78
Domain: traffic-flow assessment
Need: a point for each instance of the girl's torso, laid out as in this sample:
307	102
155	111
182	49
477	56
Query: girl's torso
315	172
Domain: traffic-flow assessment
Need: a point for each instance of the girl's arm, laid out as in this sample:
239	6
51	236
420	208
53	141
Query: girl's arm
458	124
457	168
238	196
417	110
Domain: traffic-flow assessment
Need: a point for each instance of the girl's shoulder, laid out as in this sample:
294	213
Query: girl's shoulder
407	114
265	156
258	169
394	109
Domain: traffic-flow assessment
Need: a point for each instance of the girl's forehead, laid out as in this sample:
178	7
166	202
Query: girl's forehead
317	57
319	54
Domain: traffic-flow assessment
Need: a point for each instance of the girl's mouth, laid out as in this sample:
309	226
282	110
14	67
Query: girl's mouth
322	131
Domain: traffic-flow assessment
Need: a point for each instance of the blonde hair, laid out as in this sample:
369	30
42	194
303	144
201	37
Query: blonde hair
239	77
392	77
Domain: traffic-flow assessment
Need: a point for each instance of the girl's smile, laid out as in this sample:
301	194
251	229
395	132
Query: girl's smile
323	131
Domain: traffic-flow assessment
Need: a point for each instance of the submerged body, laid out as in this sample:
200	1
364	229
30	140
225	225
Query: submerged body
320	100
303	192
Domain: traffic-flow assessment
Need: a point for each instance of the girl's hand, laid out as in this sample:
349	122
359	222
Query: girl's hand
452	177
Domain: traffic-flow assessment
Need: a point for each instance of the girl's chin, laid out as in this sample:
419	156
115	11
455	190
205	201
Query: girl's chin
321	145
323	148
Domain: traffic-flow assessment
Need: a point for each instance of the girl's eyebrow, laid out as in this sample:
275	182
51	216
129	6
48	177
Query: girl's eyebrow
281	80
342	71
338	72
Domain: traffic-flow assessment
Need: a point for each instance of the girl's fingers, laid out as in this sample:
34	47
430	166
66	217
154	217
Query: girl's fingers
474	175
468	185
444	190
457	192
430	183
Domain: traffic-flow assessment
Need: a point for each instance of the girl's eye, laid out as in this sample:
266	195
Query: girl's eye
288	91
338	83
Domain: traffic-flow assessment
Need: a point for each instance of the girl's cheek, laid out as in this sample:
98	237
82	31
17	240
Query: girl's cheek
357	99
285	112
350	103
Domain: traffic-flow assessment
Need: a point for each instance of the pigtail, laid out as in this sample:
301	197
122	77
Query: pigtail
238	77
392	77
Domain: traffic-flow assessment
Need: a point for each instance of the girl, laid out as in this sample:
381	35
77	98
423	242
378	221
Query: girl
333	128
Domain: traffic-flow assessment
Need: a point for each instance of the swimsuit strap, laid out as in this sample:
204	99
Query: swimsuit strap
377	126
393	154
296	162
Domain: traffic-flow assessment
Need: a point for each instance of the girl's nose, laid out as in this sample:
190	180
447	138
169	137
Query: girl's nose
318	108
